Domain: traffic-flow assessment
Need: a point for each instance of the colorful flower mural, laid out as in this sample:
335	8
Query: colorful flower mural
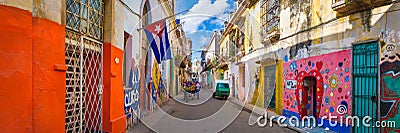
316	86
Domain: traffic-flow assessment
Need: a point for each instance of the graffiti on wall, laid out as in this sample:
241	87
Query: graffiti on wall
131	105
390	45
317	85
299	51
390	81
390	78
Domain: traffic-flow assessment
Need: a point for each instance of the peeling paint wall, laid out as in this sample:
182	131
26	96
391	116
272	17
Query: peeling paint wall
251	31
224	46
21	4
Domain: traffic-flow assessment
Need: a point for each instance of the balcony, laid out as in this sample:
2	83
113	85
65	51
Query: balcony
351	6
270	36
250	3
270	22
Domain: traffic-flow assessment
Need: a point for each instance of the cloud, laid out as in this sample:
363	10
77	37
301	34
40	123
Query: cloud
202	11
203	40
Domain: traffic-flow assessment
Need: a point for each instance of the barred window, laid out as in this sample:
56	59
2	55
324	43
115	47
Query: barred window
270	15
86	17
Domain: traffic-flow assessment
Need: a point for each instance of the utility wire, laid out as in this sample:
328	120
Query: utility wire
129	9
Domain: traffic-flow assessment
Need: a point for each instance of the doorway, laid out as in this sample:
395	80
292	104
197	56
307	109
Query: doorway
242	85
365	83
309	85
233	85
269	87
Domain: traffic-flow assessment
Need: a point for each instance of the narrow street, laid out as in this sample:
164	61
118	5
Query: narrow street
200	66
206	108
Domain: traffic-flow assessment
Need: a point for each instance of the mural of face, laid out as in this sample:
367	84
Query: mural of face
302	53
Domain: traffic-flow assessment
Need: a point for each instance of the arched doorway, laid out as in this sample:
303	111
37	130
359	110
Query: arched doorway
145	94
309	85
309	93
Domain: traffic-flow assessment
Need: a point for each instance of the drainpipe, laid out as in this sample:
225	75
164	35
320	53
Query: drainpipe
379	82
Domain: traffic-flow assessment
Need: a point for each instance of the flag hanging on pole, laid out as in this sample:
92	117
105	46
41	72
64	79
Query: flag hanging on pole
157	36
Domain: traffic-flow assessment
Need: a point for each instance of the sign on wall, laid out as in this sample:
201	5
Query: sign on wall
290	84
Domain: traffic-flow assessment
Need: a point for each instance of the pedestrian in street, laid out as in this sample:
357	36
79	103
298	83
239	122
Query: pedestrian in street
149	93
198	87
161	89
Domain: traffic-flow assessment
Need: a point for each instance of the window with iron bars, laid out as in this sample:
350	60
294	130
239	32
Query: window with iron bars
85	17
232	43
270	15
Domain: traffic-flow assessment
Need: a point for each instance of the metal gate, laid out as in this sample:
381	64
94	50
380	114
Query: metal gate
365	84
269	86
84	85
83	58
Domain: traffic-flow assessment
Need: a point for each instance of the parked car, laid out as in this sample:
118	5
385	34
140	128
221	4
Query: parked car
221	89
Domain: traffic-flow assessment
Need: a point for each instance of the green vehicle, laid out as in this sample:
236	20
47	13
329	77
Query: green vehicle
221	89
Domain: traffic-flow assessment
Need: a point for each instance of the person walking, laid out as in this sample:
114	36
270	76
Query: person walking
198	87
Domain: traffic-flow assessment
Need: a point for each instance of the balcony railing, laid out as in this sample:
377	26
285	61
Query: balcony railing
270	19
270	32
250	2
351	6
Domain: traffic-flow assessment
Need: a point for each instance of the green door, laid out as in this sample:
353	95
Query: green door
365	84
269	87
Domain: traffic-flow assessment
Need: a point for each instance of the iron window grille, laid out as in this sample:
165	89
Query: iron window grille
86	17
270	15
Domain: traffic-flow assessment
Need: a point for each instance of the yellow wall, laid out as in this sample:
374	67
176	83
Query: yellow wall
279	87
252	27
260	92
329	28
224	48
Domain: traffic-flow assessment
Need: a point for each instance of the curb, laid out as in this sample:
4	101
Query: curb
276	122
247	109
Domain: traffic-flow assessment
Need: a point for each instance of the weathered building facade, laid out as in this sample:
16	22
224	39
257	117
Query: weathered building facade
351	43
324	57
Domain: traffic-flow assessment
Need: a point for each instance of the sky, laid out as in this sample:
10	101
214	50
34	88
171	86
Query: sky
203	18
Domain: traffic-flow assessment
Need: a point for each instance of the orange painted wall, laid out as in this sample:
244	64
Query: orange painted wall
48	83
32	94
114	119
15	70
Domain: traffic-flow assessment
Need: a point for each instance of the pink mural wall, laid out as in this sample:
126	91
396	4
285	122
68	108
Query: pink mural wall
330	89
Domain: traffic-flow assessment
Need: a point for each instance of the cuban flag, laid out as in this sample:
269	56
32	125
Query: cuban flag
157	35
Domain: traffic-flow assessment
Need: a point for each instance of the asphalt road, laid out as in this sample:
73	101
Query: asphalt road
206	109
